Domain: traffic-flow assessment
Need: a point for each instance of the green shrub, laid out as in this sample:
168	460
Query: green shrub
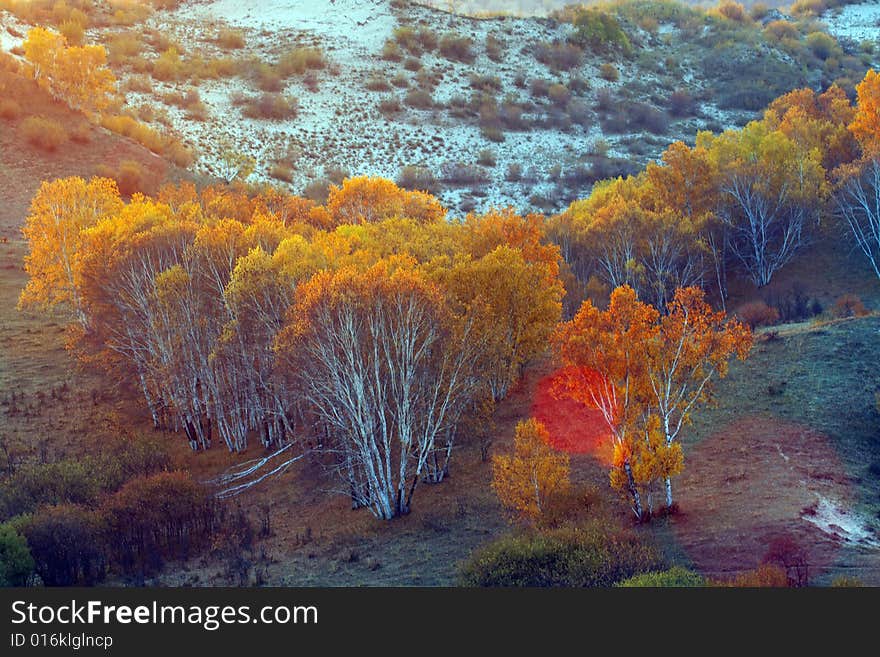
822	45
592	556
674	577
45	134
600	32
32	486
16	562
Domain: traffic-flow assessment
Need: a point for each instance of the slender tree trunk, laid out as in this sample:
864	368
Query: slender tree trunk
668	492
634	491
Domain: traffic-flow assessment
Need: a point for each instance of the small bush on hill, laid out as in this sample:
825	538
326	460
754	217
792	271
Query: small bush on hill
849	305
674	577
9	109
45	134
574	557
457	48
272	106
758	313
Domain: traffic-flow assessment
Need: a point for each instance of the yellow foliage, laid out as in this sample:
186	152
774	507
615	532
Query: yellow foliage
527	480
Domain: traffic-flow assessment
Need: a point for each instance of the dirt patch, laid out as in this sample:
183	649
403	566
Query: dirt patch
573	427
758	480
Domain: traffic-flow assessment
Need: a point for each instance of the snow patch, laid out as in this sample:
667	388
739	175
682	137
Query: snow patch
843	524
855	22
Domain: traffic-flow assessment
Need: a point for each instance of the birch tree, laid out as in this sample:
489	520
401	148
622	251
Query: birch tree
372	354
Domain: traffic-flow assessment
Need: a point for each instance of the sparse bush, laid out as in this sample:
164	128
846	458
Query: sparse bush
786	553
559	56
391	52
486	158
168	66
609	72
282	172
494	48
646	117
81	133
231	39
676	577
275	107
73	31
780	30
559	94
131	179
419	99
759	11
807	8
415	178
457	48
412	64
849	305
299	60
758	313
377	83
492	134
400	81
681	103
573	557
487	83
514	172
9	109
764	576
389	106
845	581
579	113
732	11
122	47
458	173
45	134
427	39
539	88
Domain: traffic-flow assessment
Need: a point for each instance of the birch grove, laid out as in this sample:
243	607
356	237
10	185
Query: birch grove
243	318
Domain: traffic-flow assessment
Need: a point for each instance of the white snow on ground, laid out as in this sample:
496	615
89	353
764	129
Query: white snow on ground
841	523
9	28
856	22
363	24
340	125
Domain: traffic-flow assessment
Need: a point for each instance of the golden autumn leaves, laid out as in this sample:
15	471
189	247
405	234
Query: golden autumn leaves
76	74
261	315
749	197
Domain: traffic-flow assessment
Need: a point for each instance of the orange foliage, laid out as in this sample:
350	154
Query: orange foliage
866	124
